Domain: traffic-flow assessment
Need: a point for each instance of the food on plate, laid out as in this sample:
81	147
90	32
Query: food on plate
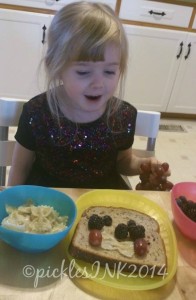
95	237
34	219
155	179
187	206
140	246
130	238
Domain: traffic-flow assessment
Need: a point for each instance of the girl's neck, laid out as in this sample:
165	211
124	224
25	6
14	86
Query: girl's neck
78	116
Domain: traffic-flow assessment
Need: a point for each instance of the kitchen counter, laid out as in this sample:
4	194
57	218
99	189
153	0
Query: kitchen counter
35	276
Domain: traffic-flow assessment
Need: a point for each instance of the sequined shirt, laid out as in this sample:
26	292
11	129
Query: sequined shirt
75	155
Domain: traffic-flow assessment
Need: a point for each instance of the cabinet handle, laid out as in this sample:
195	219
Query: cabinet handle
180	52
151	12
44	34
188	52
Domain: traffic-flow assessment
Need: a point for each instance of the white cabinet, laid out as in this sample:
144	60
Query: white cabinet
183	97
52	4
159	13
194	23
22	45
152	66
157	70
156	80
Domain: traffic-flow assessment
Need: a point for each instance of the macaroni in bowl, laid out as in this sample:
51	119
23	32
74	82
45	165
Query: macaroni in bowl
34	219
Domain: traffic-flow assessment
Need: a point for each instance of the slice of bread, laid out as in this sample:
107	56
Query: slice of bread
108	253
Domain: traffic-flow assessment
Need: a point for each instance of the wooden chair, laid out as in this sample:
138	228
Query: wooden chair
147	125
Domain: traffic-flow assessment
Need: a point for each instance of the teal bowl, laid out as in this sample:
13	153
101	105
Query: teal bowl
33	242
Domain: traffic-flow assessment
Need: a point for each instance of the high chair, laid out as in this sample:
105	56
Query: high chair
147	126
10	110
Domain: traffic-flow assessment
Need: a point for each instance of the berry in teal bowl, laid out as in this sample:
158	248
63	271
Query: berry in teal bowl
51	213
183	203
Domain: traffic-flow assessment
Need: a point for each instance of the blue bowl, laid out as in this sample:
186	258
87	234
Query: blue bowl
32	242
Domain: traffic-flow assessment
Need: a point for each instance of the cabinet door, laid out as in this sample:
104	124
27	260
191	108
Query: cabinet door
22	46
152	66
183	97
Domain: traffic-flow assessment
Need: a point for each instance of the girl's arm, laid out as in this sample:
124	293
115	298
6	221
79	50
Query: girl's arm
129	164
21	165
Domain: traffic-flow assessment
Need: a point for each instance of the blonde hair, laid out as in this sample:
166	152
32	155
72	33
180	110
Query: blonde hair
80	32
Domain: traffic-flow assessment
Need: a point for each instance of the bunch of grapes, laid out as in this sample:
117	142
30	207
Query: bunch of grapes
154	179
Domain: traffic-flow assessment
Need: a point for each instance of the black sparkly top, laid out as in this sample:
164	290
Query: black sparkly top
75	155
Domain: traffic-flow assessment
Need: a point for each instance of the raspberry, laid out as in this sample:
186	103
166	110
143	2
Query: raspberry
121	231
107	220
137	232
95	222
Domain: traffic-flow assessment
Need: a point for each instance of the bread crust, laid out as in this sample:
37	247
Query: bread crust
155	260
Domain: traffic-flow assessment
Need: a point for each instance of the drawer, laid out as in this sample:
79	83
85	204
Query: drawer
156	12
52	4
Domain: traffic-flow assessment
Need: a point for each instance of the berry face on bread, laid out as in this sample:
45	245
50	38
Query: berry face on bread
116	235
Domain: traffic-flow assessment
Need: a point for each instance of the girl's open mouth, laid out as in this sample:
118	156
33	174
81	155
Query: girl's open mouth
93	98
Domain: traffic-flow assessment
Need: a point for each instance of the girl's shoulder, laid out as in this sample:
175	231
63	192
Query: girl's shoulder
36	103
128	107
124	117
37	108
126	111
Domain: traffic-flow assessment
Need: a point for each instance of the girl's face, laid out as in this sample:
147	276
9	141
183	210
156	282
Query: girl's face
89	85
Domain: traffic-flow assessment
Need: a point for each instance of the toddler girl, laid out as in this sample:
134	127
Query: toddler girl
79	134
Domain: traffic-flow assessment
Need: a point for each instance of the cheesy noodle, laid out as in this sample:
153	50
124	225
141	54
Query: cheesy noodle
34	219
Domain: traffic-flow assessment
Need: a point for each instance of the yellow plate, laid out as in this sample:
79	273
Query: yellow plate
119	279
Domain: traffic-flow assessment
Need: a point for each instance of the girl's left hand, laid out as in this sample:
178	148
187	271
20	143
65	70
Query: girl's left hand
159	168
153	175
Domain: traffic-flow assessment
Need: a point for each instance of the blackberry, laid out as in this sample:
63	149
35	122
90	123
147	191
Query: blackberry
191	213
181	201
95	222
182	198
121	231
131	223
137	232
187	206
107	220
192	204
